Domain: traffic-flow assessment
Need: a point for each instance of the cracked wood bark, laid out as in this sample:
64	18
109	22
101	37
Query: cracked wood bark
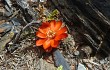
91	18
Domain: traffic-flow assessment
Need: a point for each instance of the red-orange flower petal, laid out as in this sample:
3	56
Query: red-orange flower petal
52	24
44	31
44	25
48	49
54	43
46	44
40	42
62	30
57	25
59	37
41	35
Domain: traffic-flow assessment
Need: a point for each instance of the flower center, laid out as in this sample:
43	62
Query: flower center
50	34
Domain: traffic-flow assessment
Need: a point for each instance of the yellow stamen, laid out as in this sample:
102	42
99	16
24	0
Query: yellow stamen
50	34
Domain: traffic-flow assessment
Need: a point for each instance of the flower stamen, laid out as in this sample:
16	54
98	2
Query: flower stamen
51	34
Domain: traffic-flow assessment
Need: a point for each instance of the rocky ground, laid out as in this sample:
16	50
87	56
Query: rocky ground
17	40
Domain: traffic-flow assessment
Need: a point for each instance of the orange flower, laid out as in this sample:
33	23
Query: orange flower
50	33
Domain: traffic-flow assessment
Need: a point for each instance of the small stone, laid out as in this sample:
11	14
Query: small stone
81	67
87	49
10	43
2	30
34	0
76	53
43	0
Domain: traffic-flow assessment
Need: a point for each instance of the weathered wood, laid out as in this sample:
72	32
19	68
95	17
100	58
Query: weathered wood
90	17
